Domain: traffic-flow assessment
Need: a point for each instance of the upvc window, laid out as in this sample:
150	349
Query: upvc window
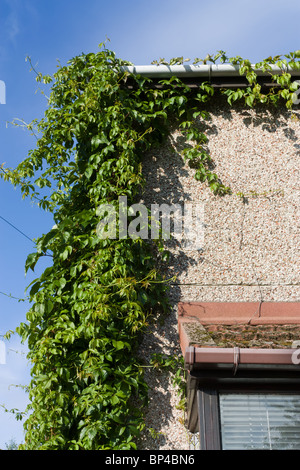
240	399
249	420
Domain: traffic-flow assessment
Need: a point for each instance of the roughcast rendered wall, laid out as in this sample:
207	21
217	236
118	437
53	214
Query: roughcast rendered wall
251	238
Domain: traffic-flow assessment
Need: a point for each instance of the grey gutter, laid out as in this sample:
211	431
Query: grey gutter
200	71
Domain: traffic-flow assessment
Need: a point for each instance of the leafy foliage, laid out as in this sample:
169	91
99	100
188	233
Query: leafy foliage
91	306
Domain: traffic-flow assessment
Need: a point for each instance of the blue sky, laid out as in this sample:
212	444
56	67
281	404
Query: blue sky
140	32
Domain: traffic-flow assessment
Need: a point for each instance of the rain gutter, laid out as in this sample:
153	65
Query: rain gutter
201	71
197	358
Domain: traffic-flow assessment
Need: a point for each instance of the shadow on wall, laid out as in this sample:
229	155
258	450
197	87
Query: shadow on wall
164	170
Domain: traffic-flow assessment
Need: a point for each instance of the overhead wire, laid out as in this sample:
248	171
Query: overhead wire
16	228
26	236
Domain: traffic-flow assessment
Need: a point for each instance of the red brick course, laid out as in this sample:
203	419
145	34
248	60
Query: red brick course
243	324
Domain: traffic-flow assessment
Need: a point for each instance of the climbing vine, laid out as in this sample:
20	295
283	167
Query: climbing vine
90	308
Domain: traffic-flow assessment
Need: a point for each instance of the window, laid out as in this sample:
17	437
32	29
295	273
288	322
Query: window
243	399
259	421
247	420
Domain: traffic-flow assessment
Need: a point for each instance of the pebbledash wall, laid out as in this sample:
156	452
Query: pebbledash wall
250	251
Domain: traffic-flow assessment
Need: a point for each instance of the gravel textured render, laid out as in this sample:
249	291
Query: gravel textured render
250	249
